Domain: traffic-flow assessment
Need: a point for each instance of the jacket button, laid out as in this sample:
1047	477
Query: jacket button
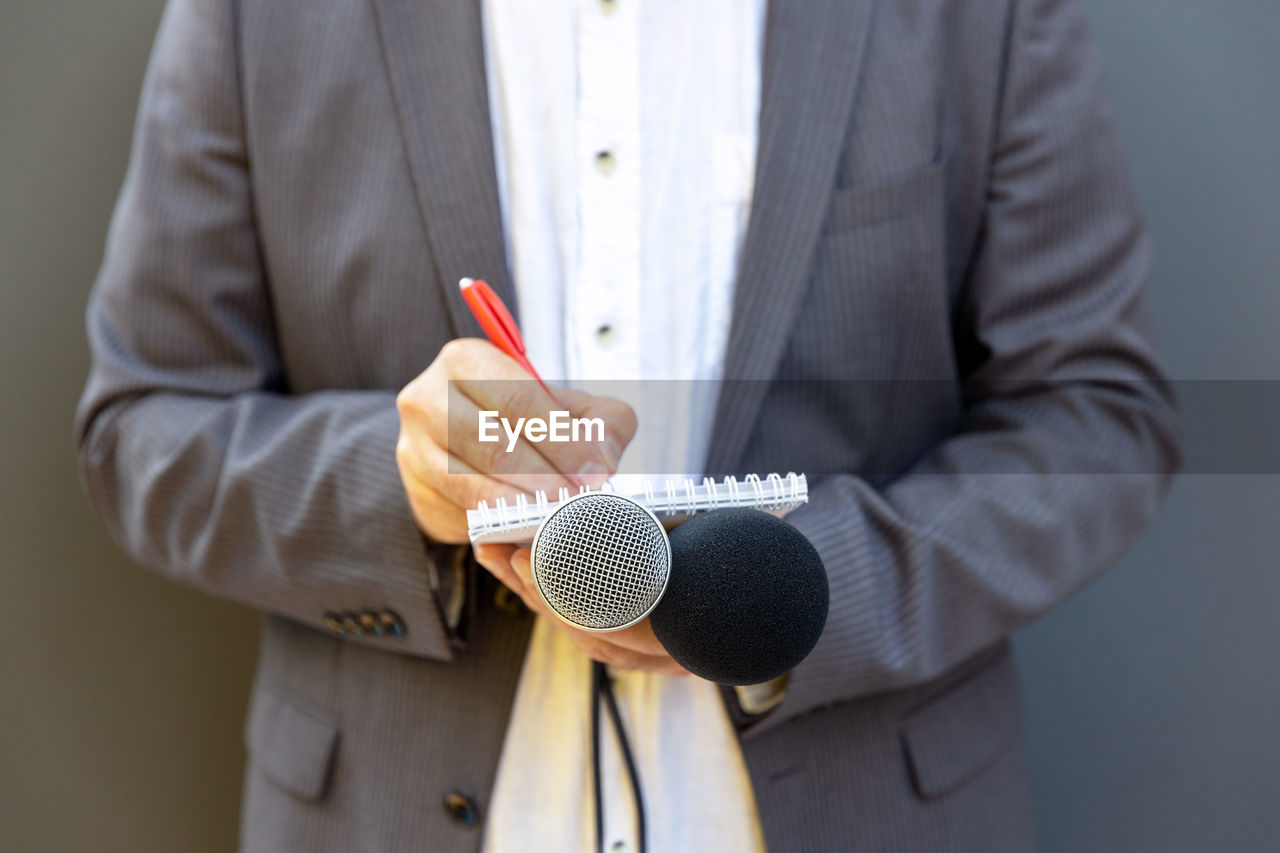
391	623
508	603
461	809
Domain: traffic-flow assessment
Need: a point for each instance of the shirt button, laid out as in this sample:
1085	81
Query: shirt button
606	162
608	6
606	336
461	809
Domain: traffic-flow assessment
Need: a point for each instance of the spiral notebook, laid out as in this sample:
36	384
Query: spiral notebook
670	500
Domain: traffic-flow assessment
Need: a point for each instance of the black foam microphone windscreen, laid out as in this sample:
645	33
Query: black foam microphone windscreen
746	600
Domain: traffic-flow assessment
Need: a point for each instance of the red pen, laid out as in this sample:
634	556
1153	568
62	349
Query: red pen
498	324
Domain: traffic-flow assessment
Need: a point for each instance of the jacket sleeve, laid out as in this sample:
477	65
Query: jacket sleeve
1070	430
195	455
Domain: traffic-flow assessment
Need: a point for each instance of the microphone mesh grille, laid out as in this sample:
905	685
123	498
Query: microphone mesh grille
601	561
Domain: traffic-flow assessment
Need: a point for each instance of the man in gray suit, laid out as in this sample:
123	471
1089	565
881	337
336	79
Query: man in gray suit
938	306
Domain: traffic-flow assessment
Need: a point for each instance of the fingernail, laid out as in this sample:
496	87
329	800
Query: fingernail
591	472
612	453
520	562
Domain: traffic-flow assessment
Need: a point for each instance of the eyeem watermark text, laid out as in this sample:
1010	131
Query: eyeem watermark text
559	427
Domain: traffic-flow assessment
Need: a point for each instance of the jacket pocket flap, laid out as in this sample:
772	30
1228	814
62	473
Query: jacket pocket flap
954	737
858	206
294	746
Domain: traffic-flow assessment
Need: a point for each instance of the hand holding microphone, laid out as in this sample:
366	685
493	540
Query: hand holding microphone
443	478
634	648
735	596
748	597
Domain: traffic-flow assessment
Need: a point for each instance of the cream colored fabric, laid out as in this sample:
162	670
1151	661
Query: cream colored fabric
625	138
696	789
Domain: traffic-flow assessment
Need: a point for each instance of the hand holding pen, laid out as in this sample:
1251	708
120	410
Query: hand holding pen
448	471
445	467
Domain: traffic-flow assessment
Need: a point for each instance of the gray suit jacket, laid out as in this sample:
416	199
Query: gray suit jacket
938	312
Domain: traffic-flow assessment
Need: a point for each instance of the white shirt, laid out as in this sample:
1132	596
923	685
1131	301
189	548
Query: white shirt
625	137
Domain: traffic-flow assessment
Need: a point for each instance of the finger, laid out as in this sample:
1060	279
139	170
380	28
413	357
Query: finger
520	567
494	558
621	658
597	428
502	561
521	562
495	382
619	418
517	462
638	638
496	553
426	404
438	517
492	381
461	483
440	499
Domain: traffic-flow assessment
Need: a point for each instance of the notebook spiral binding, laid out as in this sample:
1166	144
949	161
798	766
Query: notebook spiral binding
776	493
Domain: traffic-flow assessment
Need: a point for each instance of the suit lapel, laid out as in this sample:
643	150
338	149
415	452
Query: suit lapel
812	58
434	51
813	53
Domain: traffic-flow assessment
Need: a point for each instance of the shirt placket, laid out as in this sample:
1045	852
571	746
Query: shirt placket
603	308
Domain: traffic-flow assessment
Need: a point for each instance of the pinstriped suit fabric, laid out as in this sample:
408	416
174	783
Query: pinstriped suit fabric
941	283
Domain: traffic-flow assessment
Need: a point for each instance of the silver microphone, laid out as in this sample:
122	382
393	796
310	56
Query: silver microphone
601	561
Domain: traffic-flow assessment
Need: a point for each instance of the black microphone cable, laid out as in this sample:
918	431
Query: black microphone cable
602	689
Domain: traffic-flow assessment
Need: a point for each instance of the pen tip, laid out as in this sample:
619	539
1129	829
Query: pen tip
465	283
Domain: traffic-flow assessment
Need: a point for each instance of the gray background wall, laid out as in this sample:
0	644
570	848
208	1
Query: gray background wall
1152	697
